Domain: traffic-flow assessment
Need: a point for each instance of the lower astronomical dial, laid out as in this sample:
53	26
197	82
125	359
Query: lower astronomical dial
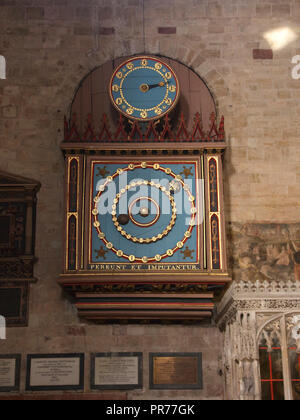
144	213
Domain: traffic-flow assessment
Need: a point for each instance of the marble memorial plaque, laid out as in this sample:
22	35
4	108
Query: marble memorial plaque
175	371
10	372
116	371
55	372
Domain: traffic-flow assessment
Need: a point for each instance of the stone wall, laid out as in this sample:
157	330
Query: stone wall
50	45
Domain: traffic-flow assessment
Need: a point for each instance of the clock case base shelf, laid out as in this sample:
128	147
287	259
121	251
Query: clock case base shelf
130	298
132	304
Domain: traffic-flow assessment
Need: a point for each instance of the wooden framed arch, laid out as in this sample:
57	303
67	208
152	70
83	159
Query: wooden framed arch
92	95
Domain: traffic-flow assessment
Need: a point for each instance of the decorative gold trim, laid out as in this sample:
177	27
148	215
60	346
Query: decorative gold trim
150	273
145	272
203	215
83	212
69	214
144	225
218	213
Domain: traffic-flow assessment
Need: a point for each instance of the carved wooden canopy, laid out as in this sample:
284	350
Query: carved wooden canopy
17	242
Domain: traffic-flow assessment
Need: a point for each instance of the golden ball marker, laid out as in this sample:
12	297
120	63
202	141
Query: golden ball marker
144	211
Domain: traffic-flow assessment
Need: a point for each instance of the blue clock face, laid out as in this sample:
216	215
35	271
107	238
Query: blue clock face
144	88
145	213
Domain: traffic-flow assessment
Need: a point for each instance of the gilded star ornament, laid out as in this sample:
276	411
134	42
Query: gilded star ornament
188	253
102	172
101	253
187	171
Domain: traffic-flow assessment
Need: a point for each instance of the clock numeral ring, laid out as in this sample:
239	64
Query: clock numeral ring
144	88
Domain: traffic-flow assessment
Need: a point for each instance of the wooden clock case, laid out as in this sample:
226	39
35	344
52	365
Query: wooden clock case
141	292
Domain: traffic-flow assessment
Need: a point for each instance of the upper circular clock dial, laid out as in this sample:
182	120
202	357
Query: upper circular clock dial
144	88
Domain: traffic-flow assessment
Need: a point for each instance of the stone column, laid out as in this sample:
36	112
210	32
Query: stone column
244	310
240	360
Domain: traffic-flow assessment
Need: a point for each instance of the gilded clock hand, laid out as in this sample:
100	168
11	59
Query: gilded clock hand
145	87
160	84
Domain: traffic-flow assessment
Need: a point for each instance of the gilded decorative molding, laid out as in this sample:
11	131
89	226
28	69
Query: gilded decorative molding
257	294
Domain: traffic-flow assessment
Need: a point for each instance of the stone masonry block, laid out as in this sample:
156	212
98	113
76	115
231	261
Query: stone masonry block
35	12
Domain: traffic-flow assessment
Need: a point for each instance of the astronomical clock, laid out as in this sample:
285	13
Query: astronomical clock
144	217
